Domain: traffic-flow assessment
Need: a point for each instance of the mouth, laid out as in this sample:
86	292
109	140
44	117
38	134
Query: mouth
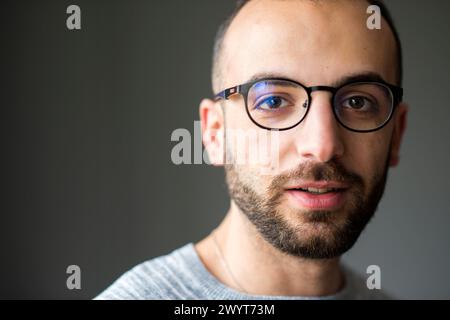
318	195
317	191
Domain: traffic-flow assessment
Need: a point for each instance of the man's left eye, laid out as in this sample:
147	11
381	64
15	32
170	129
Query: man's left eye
357	103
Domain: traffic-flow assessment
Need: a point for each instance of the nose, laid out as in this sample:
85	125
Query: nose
319	135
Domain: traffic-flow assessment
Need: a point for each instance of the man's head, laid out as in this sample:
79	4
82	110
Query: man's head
315	43
217	68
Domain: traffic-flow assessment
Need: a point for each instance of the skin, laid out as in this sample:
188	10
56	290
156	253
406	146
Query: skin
315	43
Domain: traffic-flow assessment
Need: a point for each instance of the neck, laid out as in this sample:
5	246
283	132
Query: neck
260	268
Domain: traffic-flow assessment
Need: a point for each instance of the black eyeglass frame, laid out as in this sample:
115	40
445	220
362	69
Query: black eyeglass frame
243	89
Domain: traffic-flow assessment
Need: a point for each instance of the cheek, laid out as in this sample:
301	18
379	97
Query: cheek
236	114
252	148
367	155
251	177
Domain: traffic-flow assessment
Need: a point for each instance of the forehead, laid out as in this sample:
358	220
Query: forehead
314	42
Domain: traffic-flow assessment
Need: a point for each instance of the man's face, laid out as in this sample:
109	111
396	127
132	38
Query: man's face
314	43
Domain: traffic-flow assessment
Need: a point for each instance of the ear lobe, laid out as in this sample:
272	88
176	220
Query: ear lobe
400	123
212	124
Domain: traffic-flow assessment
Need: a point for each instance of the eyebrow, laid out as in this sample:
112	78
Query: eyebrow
354	77
280	82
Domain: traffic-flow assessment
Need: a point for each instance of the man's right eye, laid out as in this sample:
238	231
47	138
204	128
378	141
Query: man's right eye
271	103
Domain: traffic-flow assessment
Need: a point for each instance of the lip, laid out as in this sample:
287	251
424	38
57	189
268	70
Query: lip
327	201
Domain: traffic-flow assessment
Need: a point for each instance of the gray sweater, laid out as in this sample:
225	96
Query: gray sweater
182	275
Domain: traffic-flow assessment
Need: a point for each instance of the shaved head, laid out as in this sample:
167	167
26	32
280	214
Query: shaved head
220	54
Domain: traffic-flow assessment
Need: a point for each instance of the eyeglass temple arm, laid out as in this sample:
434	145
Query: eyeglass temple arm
399	94
225	94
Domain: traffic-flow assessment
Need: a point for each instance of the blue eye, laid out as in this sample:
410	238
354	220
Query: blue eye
271	103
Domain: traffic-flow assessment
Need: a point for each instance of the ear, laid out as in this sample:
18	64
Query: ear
212	123
400	122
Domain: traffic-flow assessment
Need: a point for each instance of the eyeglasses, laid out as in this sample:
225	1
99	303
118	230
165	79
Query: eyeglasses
282	104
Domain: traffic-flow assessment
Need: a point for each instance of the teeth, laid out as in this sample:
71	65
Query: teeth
319	191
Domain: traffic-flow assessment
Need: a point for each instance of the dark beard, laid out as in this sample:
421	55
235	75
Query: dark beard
285	236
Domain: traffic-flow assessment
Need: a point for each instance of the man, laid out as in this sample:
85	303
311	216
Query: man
328	88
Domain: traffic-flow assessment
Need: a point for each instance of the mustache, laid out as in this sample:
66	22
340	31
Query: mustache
310	171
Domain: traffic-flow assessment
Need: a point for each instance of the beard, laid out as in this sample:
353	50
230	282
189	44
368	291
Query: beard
312	234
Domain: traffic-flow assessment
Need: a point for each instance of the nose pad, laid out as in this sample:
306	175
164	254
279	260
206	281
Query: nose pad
305	104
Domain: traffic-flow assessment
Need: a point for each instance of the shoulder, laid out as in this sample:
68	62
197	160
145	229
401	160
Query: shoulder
164	277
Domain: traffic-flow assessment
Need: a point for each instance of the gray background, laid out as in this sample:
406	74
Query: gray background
87	117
